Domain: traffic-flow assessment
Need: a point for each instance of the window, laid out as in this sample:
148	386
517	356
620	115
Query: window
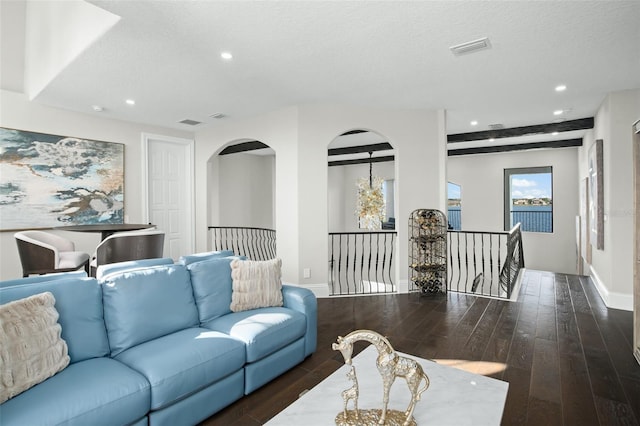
454	206
528	199
389	201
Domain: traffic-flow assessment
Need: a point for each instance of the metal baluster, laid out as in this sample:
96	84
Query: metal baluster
362	262
340	266
390	259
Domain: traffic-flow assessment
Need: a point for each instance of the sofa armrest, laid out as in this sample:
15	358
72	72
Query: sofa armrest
303	300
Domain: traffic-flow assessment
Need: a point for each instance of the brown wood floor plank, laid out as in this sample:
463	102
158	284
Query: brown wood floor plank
632	390
521	350
541	412
545	372
478	340
547	290
497	349
578	406
580	302
565	355
604	379
517	404
546	326
624	321
614	412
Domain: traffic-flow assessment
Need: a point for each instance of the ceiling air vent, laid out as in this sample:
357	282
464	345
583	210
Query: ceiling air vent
217	115
471	46
190	122
496	126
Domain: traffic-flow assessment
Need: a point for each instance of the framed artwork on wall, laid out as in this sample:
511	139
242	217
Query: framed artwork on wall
585	247
50	180
596	195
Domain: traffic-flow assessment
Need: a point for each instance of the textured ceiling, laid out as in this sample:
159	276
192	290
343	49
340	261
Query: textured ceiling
387	54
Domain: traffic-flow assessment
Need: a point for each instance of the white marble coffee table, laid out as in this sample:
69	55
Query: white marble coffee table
455	397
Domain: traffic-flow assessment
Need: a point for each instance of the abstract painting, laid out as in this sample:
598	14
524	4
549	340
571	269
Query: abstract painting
49	180
596	195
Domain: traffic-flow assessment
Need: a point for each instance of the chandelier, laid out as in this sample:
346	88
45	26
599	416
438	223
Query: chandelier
370	207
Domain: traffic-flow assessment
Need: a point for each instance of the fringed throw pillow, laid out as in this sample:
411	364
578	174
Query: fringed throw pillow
256	284
31	349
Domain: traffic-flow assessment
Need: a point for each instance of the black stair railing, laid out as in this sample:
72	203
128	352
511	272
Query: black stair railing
255	243
361	262
485	263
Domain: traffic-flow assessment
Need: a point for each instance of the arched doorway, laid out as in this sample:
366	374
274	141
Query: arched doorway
241	182
361	180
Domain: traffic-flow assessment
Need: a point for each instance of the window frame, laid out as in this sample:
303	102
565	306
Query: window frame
508	173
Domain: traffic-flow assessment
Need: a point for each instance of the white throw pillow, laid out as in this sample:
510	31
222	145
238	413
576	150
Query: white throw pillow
31	349
256	284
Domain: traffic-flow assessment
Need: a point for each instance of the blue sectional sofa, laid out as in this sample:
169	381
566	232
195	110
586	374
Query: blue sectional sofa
159	345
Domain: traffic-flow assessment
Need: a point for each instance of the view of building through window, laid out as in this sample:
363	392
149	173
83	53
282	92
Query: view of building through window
529	199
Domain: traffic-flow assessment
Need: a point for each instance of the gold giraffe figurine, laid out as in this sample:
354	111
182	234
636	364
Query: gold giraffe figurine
351	393
390	366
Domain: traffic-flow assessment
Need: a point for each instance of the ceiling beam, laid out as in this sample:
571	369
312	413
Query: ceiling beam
362	161
563	126
515	147
353	132
243	147
382	146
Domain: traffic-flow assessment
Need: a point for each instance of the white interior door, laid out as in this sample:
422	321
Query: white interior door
169	188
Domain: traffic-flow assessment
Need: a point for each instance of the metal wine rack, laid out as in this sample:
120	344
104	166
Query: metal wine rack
428	250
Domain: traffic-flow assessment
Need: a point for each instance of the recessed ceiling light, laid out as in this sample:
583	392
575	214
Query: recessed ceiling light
226	56
97	108
558	112
130	102
561	88
474	123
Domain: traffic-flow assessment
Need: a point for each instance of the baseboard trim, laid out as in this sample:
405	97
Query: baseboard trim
320	290
611	299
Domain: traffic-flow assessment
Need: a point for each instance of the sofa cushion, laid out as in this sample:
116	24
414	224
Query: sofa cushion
109	268
263	331
31	349
258	373
109	393
184	362
256	284
199	257
212	286
79	303
201	405
143	304
41	278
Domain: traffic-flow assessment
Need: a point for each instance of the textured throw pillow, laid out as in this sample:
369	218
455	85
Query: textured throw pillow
256	284
31	349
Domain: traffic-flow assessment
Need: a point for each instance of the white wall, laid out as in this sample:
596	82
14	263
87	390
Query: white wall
18	113
335	199
481	177
301	136
342	186
612	268
246	190
77	25
277	129
419	140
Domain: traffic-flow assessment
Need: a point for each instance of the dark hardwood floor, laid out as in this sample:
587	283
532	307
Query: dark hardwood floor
566	356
